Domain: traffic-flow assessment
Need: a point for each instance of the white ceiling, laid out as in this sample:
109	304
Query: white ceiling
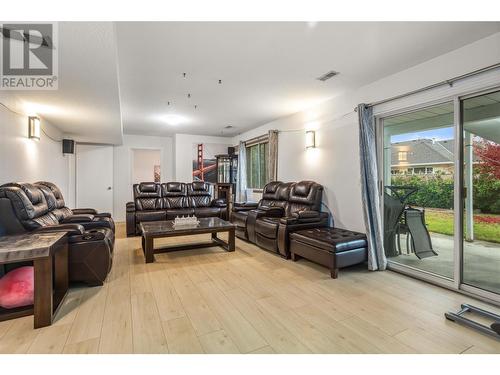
87	104
268	70
123	74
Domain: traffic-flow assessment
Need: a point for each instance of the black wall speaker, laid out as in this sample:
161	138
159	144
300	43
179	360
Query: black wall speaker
230	150
68	146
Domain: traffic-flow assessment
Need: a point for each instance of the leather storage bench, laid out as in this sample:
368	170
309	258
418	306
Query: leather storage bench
331	247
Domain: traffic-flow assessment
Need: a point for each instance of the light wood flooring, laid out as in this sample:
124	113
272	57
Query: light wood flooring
248	301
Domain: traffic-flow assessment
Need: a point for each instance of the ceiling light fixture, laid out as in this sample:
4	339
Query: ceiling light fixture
189	95
174	120
220	81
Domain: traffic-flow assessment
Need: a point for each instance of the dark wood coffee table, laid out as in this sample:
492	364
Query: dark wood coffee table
49	254
161	229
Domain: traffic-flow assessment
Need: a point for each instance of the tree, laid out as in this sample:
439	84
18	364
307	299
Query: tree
488	154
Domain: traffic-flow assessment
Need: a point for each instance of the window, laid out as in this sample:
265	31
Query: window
403	155
257	165
429	170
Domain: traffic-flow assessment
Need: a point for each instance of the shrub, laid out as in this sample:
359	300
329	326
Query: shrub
437	192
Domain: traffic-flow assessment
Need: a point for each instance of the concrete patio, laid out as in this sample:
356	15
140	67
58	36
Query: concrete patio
481	261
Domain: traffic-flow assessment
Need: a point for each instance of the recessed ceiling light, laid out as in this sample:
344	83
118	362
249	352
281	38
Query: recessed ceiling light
174	119
228	127
327	76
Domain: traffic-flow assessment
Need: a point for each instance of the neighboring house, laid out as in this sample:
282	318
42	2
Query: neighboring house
423	157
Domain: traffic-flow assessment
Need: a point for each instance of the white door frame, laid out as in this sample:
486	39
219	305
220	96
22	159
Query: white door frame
457	282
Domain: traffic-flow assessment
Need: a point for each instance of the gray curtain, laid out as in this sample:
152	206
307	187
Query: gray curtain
272	157
241	182
369	188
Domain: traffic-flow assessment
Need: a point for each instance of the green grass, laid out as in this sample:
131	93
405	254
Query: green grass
442	222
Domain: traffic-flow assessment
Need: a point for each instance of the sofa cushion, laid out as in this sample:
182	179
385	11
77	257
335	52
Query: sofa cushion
156	215
331	239
267	226
147	196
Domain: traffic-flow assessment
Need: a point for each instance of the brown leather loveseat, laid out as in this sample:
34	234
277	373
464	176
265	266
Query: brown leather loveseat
283	209
157	202
26	207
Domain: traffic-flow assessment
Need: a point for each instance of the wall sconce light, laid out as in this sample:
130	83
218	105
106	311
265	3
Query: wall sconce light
34	127
310	139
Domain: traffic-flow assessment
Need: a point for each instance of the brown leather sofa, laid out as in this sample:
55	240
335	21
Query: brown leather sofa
25	208
283	209
157	202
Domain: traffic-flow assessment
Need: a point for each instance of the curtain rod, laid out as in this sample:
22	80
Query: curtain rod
439	84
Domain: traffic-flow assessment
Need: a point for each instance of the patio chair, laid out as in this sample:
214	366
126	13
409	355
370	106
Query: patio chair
401	218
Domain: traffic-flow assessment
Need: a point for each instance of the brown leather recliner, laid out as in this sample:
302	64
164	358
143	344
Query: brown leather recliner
283	209
24	208
157	202
88	217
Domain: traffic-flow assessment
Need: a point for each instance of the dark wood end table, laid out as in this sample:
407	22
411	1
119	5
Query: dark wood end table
49	254
162	229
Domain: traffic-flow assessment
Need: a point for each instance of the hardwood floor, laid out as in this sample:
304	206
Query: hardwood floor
248	301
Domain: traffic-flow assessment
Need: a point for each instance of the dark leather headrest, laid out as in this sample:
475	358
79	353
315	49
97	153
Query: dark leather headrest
147	187
27	199
270	190
199	185
147	190
55	190
302	188
49	196
174	189
199	188
283	191
306	192
33	193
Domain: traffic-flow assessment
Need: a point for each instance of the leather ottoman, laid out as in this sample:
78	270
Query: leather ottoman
331	247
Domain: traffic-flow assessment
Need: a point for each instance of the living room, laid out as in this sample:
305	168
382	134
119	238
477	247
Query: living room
243	186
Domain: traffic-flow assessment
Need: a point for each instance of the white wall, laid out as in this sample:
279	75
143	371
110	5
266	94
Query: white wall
144	161
184	153
26	160
335	162
123	161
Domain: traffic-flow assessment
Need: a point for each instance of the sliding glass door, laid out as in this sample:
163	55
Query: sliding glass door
481	175
440	169
419	169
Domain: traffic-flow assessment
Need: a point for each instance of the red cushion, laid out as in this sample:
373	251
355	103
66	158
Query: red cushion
17	288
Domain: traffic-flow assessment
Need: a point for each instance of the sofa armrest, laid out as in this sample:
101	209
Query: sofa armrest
83	218
79	211
103	214
304	217
130	207
246	206
219	203
71	229
130	223
270	211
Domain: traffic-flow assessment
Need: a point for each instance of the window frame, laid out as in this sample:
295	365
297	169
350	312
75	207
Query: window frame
262	176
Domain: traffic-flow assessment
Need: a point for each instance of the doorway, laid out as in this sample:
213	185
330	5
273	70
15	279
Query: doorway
94	177
146	165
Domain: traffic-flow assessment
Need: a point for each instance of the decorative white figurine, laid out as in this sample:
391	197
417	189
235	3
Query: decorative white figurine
186	221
